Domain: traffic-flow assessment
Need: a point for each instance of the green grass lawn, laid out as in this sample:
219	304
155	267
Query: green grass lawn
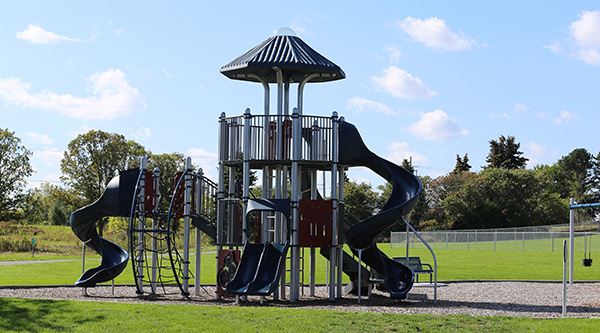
52	315
452	265
20	315
445	241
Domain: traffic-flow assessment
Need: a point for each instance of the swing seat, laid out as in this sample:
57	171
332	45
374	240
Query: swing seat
587	262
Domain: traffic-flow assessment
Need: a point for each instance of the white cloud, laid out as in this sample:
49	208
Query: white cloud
395	53
141	132
590	56
586	31
518	109
167	74
399	151
207	160
521	108
564	118
41	138
435	34
50	156
584	39
555	47
364	105
80	130
112	97
399	83
37	35
536	149
436	126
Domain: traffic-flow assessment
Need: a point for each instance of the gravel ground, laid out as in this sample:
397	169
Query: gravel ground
530	299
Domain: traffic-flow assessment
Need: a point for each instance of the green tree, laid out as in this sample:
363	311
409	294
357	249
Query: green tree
418	214
575	175
407	164
14	169
93	159
501	198
360	199
435	193
462	164
505	154
39	202
168	165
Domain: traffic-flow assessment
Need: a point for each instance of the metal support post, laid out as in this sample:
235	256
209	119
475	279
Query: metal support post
154	272
571	239
199	200
141	225
186	225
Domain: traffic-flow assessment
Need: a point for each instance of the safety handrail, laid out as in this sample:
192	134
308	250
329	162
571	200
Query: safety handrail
434	259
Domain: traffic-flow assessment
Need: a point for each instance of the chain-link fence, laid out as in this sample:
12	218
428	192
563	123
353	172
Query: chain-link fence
527	239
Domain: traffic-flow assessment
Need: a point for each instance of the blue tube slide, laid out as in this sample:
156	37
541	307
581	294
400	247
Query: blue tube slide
406	188
115	201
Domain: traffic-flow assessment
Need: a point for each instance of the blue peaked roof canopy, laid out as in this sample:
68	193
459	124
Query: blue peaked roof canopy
287	52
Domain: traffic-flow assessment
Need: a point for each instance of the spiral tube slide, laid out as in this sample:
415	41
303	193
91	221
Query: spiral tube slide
406	188
115	201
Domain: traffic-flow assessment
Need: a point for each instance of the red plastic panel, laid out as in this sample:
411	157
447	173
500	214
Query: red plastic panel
316	223
228	261
179	194
272	143
149	194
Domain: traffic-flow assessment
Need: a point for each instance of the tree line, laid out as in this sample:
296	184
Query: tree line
502	194
89	163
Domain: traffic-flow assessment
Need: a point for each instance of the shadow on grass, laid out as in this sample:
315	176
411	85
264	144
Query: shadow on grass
33	315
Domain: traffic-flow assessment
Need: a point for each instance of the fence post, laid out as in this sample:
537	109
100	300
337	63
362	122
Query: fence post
446	240
552	237
495	239
468	243
523	237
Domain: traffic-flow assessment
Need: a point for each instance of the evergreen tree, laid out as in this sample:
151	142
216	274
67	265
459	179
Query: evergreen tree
407	164
505	154
462	165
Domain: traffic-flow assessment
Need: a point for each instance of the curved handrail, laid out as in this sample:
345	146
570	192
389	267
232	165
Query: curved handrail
434	260
132	216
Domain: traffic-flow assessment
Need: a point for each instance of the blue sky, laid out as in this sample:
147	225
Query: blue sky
424	80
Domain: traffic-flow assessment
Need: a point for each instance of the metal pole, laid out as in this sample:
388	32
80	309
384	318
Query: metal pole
340	220
199	198
83	289
186	225
154	273
334	199
359	274
221	186
295	196
141	225
571	239
564	300
313	259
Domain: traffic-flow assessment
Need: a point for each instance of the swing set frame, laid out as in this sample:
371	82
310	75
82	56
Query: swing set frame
587	260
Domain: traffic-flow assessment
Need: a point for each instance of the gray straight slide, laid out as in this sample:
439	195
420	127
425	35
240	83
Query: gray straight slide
406	188
115	201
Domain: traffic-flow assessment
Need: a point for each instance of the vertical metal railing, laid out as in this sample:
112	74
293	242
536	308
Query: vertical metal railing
275	143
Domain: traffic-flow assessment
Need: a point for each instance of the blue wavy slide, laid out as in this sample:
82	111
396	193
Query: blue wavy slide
115	201
259	271
405	193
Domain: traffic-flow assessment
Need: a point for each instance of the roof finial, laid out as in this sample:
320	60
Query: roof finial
284	31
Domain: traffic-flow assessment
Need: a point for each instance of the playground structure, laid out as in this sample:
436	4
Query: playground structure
289	150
